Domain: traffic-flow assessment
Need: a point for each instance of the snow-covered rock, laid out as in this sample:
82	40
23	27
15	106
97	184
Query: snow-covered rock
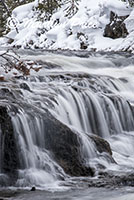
84	30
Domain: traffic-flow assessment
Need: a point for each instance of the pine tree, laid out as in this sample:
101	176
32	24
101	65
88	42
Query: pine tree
2	21
131	2
5	13
72	7
48	7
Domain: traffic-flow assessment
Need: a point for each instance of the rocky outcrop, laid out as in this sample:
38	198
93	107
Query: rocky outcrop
9	162
101	144
103	148
116	28
111	180
65	147
63	143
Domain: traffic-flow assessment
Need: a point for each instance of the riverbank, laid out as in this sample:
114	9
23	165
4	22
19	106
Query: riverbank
96	26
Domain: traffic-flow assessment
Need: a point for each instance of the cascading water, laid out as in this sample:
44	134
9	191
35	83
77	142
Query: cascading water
92	96
95	112
37	166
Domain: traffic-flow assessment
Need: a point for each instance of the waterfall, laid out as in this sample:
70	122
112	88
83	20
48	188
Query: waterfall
37	166
92	103
96	112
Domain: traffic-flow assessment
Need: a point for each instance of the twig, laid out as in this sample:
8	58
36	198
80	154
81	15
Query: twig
14	62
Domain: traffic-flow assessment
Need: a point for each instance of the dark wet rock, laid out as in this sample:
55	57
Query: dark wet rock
110	180
4	92
104	149
116	28
83	40
101	144
8	148
83	45
10	41
31	42
124	80
127	180
65	146
48	65
2	78
33	189
25	86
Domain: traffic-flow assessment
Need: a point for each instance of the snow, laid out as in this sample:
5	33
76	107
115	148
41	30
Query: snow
23	11
63	32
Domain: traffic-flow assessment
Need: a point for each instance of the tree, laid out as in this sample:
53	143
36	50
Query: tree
131	2
6	7
2	21
47	8
72	7
12	63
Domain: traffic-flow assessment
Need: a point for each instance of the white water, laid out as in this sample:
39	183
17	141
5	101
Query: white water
38	168
94	97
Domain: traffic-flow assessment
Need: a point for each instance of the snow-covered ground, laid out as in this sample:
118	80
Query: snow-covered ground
62	32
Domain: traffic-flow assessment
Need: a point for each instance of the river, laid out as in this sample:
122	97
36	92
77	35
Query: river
68	127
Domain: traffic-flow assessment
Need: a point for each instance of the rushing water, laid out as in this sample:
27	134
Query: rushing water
92	94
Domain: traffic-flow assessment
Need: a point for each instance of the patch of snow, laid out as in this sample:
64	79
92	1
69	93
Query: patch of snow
86	26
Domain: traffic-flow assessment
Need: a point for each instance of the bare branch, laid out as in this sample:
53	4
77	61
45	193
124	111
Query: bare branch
13	61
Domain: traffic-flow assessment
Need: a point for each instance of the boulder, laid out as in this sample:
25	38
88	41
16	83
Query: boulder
116	28
9	161
112	180
101	144
65	147
103	148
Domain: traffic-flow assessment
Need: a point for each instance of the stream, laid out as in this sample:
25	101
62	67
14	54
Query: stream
67	129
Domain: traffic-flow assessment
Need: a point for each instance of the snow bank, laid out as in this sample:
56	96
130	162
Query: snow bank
83	30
